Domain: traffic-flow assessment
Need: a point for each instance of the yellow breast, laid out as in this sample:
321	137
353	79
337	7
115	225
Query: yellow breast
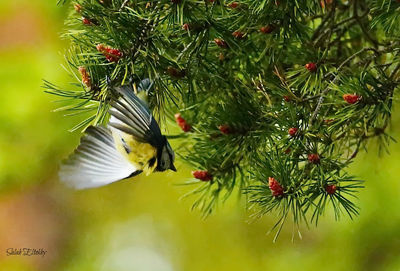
140	153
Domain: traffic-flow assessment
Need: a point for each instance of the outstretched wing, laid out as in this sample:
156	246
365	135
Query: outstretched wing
96	161
134	117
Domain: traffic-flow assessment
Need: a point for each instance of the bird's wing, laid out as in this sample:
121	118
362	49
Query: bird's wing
96	161
145	85
134	117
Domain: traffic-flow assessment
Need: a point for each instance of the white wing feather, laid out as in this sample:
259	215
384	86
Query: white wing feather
96	161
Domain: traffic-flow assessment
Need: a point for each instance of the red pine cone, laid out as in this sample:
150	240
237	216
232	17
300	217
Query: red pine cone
233	5
221	43
86	21
293	131
313	158
78	8
287	98
311	66
288	150
331	189
185	27
182	123
239	35
225	129
85	77
267	29
111	54
351	98
275	187
202	175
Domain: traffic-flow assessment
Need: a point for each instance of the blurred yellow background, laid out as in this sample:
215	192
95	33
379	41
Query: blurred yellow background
141	224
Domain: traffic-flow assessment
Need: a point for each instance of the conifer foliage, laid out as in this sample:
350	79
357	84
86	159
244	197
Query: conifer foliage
273	98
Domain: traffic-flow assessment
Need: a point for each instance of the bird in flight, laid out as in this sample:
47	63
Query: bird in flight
130	144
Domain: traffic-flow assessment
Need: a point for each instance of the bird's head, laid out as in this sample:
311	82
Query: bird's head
167	158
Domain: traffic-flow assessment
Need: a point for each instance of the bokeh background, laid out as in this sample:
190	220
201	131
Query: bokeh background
142	224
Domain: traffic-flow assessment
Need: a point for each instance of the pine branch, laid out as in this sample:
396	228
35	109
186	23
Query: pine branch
275	100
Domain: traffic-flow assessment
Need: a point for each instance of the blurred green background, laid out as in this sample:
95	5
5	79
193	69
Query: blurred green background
141	224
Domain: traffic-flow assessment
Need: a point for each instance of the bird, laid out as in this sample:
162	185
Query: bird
129	145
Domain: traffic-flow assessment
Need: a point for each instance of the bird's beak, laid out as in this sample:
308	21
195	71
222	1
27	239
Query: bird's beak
172	167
